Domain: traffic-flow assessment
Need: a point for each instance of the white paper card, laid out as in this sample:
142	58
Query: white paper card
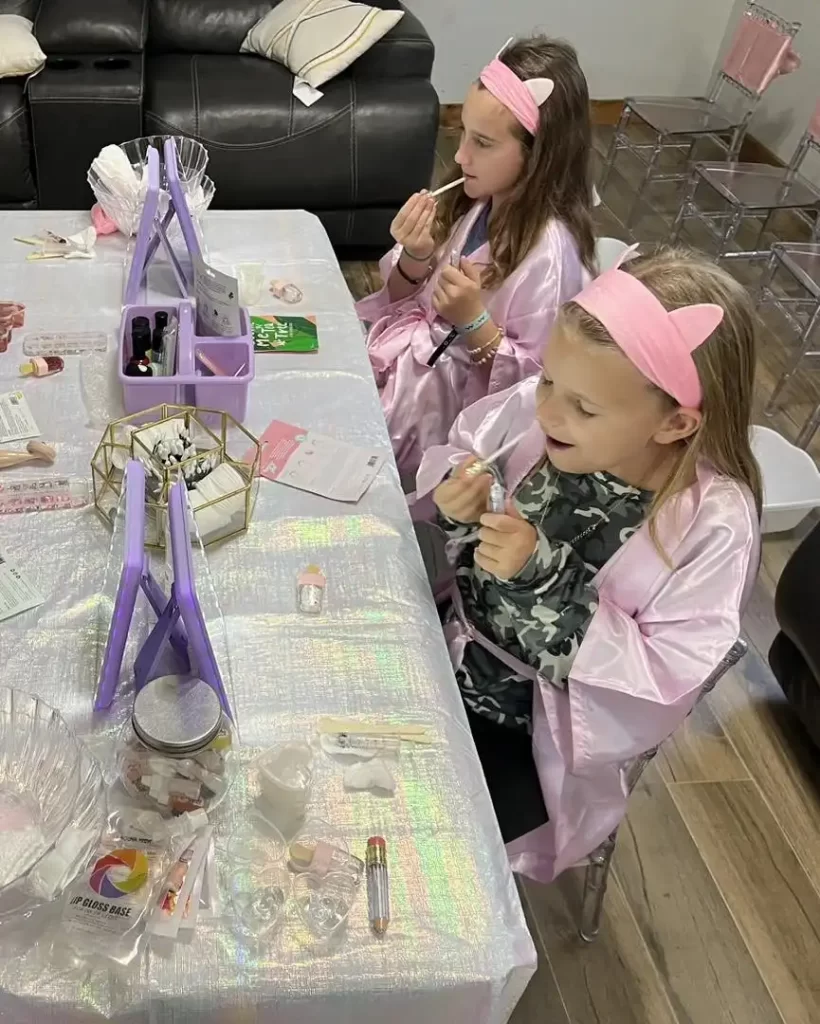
316	463
16	593
217	302
16	421
305	93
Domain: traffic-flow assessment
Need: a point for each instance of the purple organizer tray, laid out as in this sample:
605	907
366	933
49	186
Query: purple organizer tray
179	618
193	383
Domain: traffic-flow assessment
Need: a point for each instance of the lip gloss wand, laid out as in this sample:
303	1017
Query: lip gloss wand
378	887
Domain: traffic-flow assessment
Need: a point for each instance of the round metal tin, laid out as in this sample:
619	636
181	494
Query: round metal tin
176	715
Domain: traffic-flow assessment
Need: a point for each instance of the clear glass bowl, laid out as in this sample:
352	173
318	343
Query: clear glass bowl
48	879
192	158
44	786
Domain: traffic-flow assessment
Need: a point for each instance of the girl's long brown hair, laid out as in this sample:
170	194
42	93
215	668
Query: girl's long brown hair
725	363
555	180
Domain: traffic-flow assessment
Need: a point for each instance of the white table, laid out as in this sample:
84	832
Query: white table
457	949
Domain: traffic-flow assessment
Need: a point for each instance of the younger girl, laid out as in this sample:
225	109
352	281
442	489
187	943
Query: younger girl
486	268
614	581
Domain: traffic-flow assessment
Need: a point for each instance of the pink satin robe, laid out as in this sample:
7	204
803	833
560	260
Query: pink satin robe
420	402
655	638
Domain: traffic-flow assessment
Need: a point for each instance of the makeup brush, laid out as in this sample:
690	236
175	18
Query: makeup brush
446	188
482	464
37	452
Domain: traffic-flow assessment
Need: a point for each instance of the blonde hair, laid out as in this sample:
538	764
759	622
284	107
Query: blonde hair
725	363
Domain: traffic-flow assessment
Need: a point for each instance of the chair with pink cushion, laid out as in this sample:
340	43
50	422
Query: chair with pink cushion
722	196
761	51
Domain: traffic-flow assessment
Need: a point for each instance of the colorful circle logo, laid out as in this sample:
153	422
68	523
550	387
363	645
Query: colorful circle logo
119	873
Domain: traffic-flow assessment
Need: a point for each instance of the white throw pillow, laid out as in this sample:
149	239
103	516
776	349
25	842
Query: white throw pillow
317	39
19	52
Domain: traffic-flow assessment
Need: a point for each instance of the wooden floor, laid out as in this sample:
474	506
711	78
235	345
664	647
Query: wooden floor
713	912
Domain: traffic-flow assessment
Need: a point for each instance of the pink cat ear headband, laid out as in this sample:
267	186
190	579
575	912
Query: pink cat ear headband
522	99
657	342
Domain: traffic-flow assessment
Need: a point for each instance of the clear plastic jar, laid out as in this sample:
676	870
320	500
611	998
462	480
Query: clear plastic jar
177	753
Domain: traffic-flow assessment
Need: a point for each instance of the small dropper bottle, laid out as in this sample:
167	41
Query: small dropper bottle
42	366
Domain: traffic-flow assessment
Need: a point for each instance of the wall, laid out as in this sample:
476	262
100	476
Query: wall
787	104
626	47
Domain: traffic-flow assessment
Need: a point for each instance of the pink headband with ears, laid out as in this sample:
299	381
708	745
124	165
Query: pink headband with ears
522	99
657	342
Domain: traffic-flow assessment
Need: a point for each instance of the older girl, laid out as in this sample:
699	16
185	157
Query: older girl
475	280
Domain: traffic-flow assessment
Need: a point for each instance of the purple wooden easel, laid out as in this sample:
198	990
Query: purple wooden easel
179	618
153	230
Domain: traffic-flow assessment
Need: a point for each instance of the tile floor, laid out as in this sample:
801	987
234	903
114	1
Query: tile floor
713	912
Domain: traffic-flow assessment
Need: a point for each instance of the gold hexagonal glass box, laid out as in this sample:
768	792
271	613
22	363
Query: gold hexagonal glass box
216	455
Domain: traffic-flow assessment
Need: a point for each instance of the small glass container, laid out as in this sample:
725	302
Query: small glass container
255	881
176	753
323	902
310	590
319	849
497	501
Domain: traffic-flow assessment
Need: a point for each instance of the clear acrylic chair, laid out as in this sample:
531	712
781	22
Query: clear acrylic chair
760	51
722	195
600	860
801	262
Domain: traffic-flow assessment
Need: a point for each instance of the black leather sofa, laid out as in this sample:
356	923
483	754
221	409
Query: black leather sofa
122	68
795	653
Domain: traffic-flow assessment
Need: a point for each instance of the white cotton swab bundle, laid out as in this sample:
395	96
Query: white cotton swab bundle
446	188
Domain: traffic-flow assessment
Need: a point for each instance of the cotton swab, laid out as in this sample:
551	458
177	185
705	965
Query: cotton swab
446	188
482	464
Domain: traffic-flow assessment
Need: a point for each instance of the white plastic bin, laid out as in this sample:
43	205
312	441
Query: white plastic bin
791	480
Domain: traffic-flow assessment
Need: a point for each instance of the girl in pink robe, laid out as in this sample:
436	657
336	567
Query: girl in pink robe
633	396
476	278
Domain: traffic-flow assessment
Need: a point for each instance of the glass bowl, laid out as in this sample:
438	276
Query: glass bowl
41	783
192	157
48	879
125	208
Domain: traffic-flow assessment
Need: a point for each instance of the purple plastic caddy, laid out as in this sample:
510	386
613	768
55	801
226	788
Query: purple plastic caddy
179	618
192	382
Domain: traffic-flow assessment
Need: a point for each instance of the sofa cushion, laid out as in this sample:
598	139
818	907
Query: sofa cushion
365	143
16	178
19	52
318	39
92	26
203	26
213	26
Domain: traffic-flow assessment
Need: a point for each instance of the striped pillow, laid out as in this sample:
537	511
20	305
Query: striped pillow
316	39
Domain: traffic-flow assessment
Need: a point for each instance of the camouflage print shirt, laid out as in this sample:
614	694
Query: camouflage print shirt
540	616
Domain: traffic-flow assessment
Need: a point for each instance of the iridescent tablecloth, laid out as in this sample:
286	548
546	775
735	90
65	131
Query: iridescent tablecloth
457	949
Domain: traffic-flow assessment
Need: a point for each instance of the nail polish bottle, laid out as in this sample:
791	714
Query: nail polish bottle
42	366
136	368
140	337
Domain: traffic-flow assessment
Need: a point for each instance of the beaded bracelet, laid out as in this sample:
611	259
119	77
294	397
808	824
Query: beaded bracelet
488	348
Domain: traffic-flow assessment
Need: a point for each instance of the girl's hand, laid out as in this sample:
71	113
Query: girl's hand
463	498
507	543
412	226
457	295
